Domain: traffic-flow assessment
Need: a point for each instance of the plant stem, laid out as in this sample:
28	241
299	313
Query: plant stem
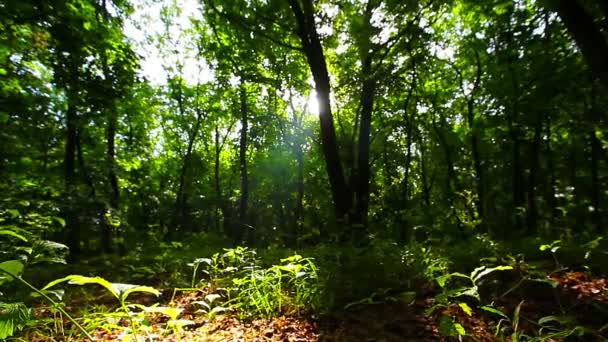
50	300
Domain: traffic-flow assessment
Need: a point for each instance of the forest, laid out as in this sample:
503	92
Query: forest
303	170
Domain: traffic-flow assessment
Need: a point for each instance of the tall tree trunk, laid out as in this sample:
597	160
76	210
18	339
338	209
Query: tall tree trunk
244	198
596	151
307	32
552	182
363	168
299	207
596	188
532	211
512	117
70	215
180	198
426	188
587	34
114	192
216	181
112	118
409	131
477	165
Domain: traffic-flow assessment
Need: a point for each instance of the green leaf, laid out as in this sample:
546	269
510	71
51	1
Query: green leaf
477	270
490	270
13	317
14	213
172	313
407	297
466	308
179	323
495	311
82	280
447	327
216	311
442	280
562	320
516	316
59	293
13	234
125	290
202	261
212	297
59	220
14	268
460	329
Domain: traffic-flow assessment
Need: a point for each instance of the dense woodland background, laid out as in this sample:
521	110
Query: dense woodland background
443	122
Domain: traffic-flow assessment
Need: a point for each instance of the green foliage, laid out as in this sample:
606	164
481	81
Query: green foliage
13	317
290	286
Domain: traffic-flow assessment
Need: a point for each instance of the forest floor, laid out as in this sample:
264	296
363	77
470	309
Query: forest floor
579	291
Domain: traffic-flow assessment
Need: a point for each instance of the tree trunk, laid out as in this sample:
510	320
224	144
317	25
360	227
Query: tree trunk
426	189
363	168
180	198
477	165
216	181
587	34
596	151
552	183
532	212
71	225
244	198
596	188
114	192
299	207
313	50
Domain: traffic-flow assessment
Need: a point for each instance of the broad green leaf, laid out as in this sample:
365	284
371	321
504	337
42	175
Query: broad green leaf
477	270
442	280
59	220
447	327
466	308
12	267
13	317
13	234
460	329
212	297
495	311
216	311
14	213
124	290
49	246
203	261
490	270
179	323
171	312
562	320
516	316
82	280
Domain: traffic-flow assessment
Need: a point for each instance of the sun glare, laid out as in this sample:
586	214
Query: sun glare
313	103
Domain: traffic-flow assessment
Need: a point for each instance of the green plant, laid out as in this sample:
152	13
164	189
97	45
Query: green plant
13	269
302	280
382	296
553	247
470	288
120	291
13	317
550	327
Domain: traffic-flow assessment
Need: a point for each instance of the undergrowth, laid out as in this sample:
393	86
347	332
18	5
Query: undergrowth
477	279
